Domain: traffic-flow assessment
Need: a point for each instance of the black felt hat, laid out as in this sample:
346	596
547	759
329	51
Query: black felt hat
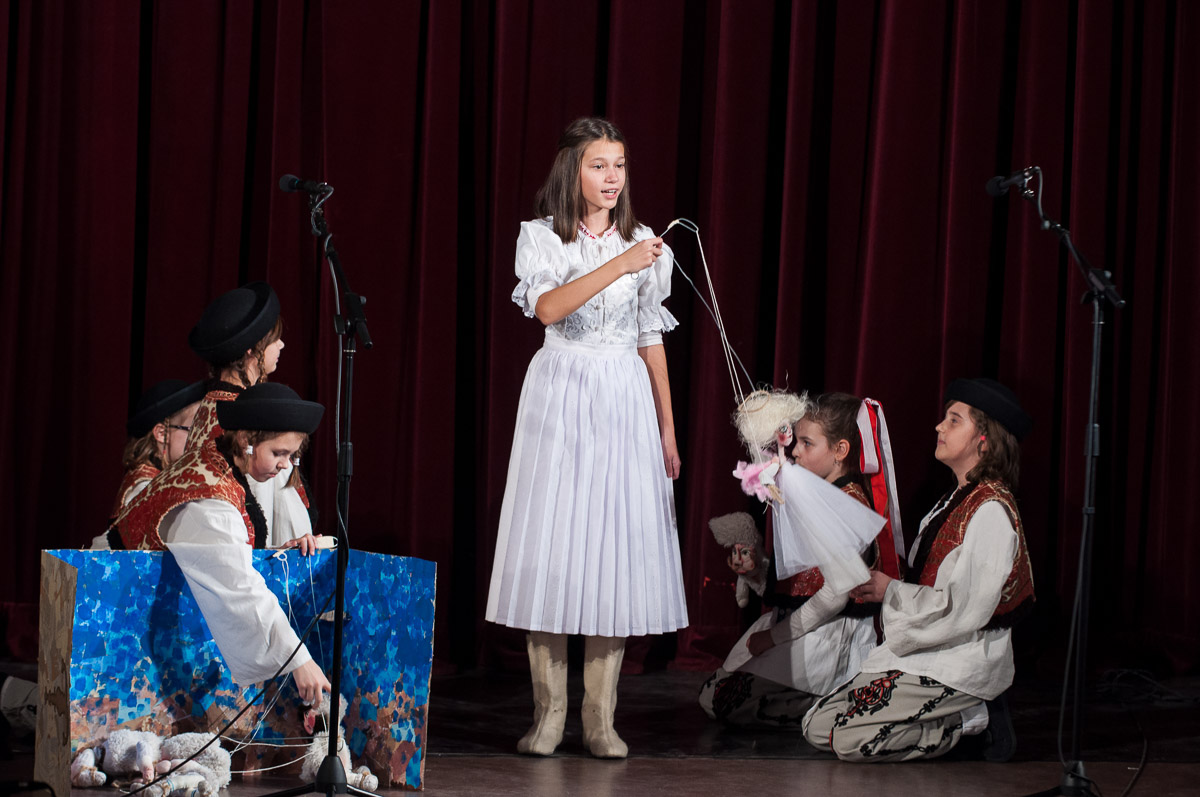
269	407
234	322
995	399
162	401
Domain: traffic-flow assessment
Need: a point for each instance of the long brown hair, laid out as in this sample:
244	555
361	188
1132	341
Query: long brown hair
258	352
561	195
1000	459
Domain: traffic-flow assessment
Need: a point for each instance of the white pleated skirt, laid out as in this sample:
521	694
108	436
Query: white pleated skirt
587	541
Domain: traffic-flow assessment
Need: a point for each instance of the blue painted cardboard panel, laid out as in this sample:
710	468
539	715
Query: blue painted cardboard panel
142	654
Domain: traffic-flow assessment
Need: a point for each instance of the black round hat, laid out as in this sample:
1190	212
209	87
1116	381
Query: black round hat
995	399
234	322
269	407
161	401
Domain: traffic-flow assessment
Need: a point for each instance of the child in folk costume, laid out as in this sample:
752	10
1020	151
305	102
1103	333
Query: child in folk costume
587	542
815	637
239	336
158	431
947	650
203	516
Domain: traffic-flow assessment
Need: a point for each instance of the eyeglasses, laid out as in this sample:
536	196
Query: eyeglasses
177	426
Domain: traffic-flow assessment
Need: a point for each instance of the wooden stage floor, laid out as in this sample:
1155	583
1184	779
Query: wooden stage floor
476	718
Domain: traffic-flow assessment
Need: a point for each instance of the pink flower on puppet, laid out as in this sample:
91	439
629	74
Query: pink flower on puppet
758	479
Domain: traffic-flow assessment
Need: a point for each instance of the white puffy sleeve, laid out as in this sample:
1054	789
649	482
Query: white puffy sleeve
653	318
541	264
208	541
965	594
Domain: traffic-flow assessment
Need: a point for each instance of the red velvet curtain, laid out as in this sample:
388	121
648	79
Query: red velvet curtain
833	153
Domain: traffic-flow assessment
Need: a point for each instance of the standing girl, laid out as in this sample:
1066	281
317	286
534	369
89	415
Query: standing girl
587	541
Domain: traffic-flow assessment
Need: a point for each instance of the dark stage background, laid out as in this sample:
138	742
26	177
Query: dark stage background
833	154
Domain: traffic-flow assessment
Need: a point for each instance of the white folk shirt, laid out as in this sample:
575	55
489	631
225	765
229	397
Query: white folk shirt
936	631
208	540
286	515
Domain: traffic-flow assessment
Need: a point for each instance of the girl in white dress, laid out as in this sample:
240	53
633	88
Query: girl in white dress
587	542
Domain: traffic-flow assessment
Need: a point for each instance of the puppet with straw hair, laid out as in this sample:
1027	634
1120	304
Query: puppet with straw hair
764	423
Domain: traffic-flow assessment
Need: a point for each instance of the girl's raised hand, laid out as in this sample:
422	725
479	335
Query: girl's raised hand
640	256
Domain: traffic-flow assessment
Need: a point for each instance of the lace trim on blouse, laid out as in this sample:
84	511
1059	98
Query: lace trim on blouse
606	234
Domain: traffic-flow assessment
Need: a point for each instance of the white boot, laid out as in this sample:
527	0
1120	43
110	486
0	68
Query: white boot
601	667
548	667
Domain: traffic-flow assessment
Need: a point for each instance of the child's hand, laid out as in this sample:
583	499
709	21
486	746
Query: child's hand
671	456
307	544
760	642
640	256
873	590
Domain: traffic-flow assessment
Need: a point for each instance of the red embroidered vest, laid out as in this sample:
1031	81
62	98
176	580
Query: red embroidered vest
200	473
1018	588
204	426
806	583
133	476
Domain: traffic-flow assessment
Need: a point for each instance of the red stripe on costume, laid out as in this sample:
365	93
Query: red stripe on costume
889	558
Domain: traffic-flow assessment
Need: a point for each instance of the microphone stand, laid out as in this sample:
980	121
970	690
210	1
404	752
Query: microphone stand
350	323
1100	289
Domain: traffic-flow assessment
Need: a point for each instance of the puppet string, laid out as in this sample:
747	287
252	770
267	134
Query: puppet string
714	310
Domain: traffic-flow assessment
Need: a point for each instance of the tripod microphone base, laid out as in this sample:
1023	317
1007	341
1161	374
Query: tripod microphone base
331	780
1074	783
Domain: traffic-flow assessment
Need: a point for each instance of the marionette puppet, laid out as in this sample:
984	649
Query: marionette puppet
814	637
587	542
946	659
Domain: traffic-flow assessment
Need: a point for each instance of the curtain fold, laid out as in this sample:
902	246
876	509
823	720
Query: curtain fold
833	154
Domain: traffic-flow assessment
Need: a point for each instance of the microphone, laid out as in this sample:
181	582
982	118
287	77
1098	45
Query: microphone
998	186
292	183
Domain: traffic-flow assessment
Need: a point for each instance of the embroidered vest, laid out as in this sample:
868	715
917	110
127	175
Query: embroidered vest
202	472
204	426
141	473
1017	595
206	429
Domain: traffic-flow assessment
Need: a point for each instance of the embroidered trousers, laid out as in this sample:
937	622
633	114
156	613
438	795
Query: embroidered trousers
745	699
892	716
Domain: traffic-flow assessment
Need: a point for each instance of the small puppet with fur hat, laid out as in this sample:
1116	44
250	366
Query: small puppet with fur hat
738	533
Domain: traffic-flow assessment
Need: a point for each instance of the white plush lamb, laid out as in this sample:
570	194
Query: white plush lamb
361	777
144	756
